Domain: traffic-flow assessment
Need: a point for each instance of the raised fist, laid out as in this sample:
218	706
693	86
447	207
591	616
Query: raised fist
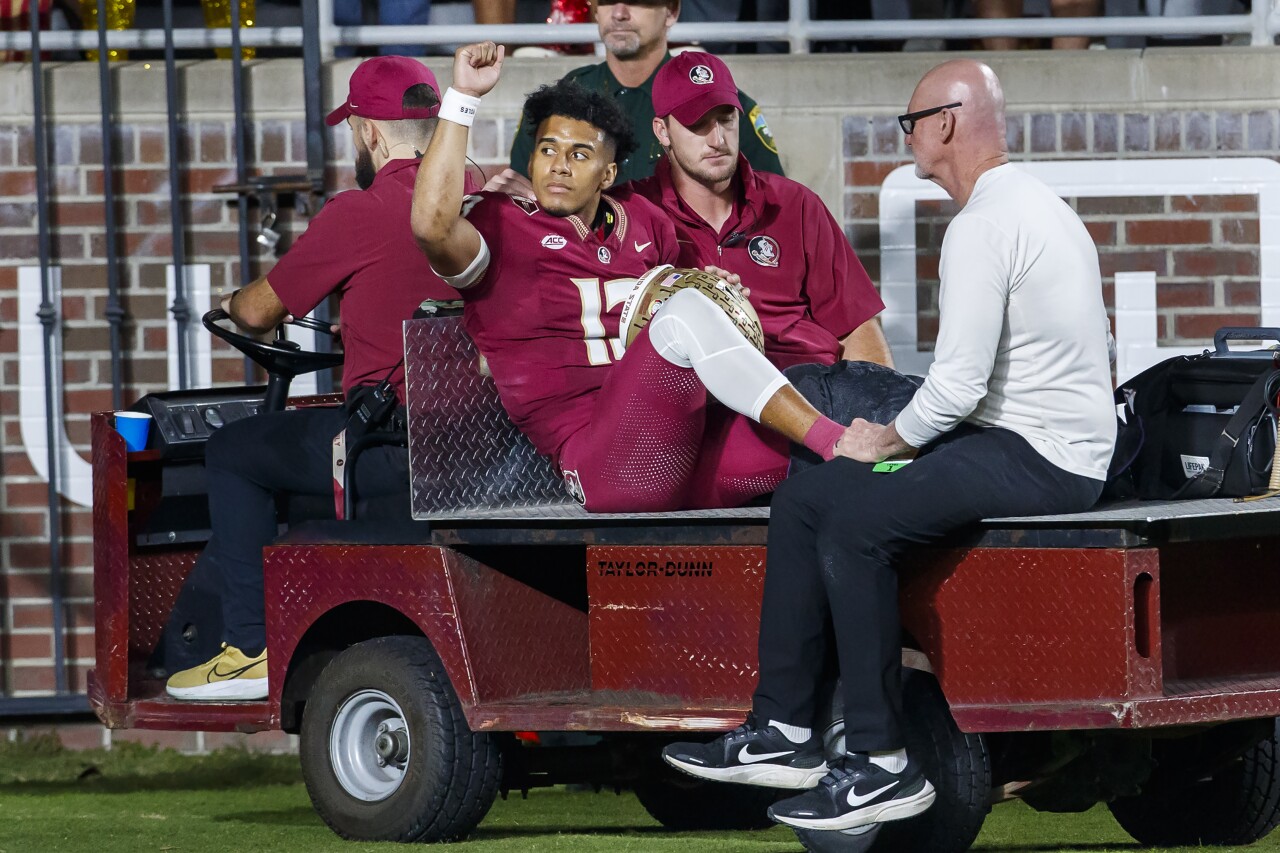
476	68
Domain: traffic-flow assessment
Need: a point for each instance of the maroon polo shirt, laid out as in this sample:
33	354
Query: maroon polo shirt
360	246
807	285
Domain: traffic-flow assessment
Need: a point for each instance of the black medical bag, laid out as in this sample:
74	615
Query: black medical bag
1200	426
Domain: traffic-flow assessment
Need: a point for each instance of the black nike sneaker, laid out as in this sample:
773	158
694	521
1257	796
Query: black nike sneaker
857	793
752	755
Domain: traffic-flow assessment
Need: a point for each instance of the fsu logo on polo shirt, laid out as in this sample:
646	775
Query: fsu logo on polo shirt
701	75
763	250
604	255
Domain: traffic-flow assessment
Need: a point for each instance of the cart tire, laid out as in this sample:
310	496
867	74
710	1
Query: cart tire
386	752
1237	805
682	803
957	764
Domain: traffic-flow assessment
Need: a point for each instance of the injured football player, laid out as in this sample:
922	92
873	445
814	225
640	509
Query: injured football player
544	279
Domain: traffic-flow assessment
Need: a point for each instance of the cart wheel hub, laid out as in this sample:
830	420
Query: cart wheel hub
369	745
392	746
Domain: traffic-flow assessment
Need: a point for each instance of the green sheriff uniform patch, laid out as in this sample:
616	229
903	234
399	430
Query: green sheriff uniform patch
755	118
754	137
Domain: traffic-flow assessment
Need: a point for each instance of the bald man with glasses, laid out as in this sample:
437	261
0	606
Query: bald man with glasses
907	121
1014	418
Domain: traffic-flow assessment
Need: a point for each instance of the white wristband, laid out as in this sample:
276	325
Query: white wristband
458	108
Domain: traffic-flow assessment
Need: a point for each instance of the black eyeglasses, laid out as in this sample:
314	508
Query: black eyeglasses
908	121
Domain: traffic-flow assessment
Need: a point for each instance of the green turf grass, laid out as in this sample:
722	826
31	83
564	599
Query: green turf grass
138	799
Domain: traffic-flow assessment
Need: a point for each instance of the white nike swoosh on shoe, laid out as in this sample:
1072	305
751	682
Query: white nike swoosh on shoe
749	757
640	247
855	800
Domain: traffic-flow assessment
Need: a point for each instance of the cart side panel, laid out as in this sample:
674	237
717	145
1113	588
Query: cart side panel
496	637
110	560
1220	609
1016	627
677	621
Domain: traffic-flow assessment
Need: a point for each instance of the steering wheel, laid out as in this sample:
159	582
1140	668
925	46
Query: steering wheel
283	359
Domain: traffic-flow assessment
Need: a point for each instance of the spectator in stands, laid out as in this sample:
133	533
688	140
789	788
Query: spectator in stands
15	16
1013	9
395	13
635	43
815	300
120	16
494	11
1014	418
360	247
400	13
711	12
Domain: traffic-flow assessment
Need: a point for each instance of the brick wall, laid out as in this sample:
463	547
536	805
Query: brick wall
1204	249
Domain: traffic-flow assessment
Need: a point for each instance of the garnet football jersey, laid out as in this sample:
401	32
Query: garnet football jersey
545	312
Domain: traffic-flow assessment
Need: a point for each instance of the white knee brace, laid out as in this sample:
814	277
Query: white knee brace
690	330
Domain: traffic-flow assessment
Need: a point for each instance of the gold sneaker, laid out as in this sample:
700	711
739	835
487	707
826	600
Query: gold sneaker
230	675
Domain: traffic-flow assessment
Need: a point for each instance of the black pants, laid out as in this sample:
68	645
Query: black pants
834	534
252	460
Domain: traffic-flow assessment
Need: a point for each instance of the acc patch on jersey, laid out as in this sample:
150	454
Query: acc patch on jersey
761	127
554	241
764	251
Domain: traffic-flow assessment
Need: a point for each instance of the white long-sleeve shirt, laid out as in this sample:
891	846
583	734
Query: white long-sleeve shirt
1022	339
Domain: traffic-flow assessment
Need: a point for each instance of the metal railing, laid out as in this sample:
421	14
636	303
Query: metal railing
799	31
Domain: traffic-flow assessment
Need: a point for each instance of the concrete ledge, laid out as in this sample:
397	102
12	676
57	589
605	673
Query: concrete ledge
782	84
805	100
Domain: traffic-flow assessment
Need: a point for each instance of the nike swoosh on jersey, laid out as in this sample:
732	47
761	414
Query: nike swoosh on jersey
749	757
855	800
640	247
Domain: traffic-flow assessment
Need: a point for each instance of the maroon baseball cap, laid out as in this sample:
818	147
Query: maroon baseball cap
692	84
378	86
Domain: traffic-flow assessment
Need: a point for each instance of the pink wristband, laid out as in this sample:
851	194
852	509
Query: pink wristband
822	437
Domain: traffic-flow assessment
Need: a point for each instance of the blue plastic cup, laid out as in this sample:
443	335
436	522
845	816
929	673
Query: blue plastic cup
134	426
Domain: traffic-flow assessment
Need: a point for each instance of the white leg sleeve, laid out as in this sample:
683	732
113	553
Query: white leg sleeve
690	330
